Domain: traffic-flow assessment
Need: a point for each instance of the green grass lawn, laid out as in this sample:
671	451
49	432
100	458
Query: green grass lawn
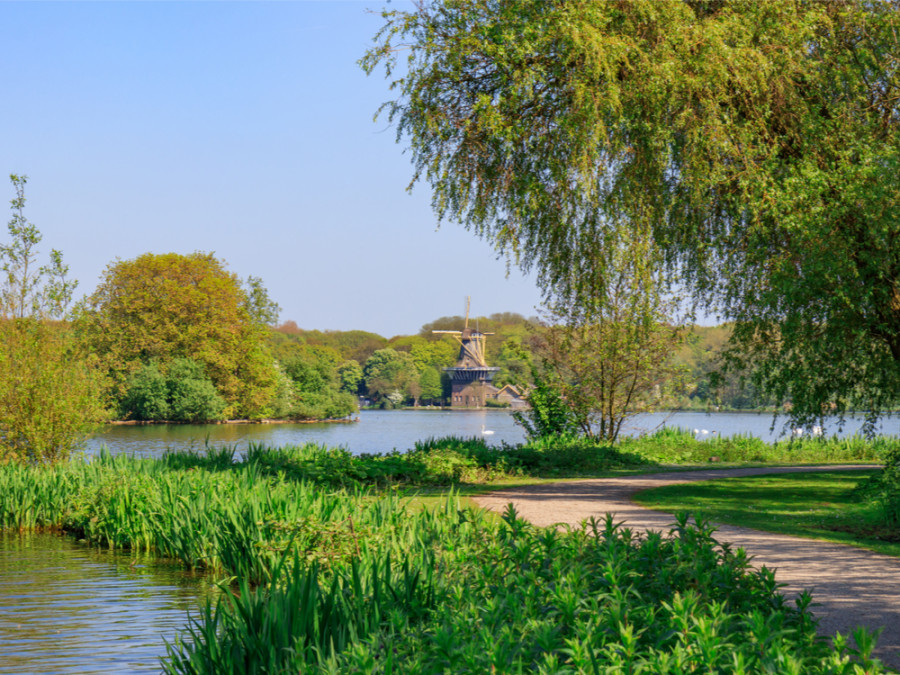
813	505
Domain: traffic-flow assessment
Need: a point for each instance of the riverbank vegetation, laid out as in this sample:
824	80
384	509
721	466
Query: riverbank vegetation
332	570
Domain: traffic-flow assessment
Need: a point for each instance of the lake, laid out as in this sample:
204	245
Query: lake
67	608
379	431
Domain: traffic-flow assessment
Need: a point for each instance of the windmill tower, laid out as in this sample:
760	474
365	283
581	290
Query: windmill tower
471	376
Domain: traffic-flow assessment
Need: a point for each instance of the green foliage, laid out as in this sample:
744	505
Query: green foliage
28	290
679	446
763	178
884	488
494	403
183	394
193	397
391	377
431	388
356	345
548	416
515	362
261	308
147	395
346	581
50	391
469	595
315	382
325	405
350	374
441	461
613	359
170	306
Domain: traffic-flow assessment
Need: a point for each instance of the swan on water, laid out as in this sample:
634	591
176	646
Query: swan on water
486	432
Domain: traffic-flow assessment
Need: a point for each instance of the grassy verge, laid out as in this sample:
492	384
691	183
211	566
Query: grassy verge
814	505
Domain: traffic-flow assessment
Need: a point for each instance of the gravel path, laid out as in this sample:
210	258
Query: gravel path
850	586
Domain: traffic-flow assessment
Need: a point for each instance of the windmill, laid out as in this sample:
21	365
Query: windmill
471	377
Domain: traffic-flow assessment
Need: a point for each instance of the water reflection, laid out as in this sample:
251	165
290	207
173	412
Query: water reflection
65	608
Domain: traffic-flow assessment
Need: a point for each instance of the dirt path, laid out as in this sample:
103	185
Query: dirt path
850	586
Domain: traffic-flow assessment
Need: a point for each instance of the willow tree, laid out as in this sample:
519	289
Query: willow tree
759	141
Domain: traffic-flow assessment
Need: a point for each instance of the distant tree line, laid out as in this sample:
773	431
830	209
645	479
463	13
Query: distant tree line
173	337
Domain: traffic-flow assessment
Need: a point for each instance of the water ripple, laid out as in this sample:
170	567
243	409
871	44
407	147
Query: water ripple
65	608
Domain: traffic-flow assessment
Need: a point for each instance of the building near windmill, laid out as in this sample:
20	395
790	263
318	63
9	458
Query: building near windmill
471	377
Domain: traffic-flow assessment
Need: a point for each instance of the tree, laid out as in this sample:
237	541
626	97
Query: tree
314	380
50	391
29	290
388	375
161	307
515	363
612	356
430	388
262	309
759	142
350	374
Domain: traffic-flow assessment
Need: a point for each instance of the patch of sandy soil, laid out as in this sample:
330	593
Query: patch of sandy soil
851	587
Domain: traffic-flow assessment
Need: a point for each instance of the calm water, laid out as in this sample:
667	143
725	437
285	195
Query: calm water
383	431
66	608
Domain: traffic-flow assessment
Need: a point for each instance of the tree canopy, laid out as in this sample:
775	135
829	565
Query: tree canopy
50	391
161	307
755	147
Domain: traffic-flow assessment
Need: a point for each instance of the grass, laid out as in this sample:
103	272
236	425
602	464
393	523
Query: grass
813	505
678	446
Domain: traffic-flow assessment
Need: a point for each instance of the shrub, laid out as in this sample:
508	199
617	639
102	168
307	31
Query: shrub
884	488
183	394
548	414
50	395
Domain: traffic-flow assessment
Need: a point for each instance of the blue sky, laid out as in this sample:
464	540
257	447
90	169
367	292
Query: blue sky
243	128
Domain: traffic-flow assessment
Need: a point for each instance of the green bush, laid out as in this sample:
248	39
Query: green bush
469	595
884	488
548	415
50	393
147	396
183	393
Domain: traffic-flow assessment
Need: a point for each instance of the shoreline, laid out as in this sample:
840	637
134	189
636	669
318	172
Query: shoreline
141	423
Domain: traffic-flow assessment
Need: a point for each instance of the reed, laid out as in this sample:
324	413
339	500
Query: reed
236	522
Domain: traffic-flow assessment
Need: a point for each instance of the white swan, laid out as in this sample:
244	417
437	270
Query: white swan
486	432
